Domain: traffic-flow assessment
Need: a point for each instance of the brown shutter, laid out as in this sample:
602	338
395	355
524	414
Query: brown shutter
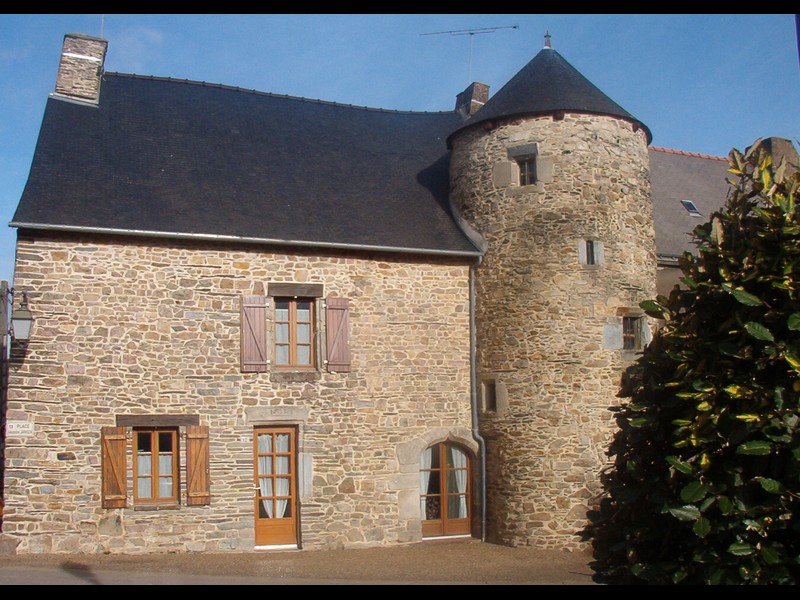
337	316
198	489
113	461
254	334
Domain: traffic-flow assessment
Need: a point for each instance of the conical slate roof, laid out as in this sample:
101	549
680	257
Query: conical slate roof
547	84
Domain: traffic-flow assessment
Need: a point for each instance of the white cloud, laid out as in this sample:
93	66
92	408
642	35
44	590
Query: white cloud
133	50
12	55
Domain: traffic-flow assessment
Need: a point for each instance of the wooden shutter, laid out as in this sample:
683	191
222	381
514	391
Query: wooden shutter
337	334
253	334
198	488
113	461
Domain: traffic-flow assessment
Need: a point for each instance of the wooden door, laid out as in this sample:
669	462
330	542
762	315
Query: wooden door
445	491
275	485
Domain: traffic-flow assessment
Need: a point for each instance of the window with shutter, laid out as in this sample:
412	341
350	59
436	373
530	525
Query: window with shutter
155	466
294	332
197	454
337	316
113	466
253	334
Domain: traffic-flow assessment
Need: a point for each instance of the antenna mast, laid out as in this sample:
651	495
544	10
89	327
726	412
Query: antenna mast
471	33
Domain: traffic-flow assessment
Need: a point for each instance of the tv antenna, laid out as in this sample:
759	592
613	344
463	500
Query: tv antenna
471	33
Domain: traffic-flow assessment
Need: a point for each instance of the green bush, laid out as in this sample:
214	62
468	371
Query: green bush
704	481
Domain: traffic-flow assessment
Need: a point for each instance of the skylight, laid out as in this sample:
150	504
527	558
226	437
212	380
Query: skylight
691	208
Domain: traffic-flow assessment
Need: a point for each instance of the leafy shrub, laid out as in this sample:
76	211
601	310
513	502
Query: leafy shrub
704	482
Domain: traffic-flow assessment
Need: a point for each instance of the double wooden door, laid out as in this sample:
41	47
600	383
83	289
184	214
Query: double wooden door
445	491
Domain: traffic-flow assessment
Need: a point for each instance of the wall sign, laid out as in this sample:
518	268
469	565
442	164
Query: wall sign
19	428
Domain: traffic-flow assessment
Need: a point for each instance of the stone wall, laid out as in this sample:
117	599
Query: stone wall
549	327
144	326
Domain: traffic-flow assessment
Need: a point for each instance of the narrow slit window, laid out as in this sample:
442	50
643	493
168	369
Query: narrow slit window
631	333
527	170
590	252
591	258
489	396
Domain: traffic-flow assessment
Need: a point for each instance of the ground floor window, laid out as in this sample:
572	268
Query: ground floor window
151	459
155	466
444	479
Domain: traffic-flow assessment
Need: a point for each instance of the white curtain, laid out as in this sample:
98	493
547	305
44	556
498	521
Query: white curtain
424	477
265	468
282	469
144	471
459	461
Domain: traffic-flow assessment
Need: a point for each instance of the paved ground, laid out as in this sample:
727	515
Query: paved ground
435	562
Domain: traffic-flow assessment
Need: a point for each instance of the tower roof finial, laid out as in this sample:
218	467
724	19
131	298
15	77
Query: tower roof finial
547	43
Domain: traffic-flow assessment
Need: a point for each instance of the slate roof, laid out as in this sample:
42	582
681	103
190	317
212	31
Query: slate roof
548	84
179	158
185	158
676	176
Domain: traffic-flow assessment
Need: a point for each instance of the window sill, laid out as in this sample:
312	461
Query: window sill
156	507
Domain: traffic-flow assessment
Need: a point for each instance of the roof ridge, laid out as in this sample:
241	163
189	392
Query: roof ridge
274	95
684	153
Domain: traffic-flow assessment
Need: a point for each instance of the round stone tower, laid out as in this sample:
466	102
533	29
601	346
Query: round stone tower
554	176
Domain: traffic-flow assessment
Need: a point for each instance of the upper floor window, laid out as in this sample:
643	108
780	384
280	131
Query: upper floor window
294	332
527	170
283	329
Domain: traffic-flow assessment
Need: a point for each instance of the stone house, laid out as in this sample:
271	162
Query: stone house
264	321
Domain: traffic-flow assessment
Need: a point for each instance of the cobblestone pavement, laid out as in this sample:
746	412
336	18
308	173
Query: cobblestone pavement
467	562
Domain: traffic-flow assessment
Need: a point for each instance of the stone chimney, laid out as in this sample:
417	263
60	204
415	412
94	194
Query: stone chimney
81	68
472	99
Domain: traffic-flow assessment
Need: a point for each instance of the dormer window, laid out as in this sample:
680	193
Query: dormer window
527	170
691	208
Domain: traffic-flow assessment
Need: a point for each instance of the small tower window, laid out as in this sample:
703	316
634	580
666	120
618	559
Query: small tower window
631	333
691	208
591	257
527	170
590	252
489	396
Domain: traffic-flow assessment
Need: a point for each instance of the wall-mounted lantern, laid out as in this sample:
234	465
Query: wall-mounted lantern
21	319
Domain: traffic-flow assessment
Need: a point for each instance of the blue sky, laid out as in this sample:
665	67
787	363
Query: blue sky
701	83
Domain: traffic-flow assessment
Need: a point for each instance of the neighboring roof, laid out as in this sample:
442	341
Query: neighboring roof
677	176
548	84
186	158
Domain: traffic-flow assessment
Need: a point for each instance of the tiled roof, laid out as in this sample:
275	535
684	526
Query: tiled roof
684	153
675	176
187	158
